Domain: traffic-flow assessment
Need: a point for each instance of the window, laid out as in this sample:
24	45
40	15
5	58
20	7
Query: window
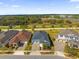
61	35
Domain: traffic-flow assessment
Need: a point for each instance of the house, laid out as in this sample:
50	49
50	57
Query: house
67	35
20	39
41	37
70	36
8	36
2	34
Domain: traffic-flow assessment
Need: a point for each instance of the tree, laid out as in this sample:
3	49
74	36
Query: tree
68	22
60	21
45	46
57	16
10	26
70	50
53	22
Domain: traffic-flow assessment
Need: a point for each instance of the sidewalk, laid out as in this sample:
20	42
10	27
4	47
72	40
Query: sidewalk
18	53
35	53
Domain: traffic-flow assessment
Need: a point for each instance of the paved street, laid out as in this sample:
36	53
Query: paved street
32	57
42	29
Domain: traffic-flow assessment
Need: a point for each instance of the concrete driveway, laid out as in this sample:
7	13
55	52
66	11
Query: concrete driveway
59	48
35	49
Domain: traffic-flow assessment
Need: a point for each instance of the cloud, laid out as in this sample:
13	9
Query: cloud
1	3
74	0
15	6
77	7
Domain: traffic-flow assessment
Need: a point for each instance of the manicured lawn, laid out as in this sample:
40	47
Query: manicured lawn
5	50
71	52
4	27
53	33
16	27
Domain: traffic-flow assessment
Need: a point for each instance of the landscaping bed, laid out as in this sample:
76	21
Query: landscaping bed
44	53
26	53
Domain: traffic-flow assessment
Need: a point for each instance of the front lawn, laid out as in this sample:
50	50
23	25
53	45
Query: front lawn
71	51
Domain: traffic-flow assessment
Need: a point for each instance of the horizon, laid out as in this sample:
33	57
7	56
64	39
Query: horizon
18	7
34	14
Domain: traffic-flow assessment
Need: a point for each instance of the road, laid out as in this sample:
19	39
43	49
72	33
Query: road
32	57
41	29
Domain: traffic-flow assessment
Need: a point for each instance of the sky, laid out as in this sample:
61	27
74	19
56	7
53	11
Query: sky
8	7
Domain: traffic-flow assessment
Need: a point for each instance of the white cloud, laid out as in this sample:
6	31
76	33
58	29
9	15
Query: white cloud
1	3
74	0
77	7
15	6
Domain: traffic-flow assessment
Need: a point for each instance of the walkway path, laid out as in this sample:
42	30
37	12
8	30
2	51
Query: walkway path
35	53
59	53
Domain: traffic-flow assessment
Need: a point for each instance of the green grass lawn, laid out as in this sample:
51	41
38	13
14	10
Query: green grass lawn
4	27
31	26
16	27
71	52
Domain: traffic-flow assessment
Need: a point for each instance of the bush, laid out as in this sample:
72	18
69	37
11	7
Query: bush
71	51
28	47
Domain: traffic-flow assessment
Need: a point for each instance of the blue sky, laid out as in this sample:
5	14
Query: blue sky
39	7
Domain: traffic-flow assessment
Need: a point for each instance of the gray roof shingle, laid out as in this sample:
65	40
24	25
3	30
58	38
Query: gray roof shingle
8	36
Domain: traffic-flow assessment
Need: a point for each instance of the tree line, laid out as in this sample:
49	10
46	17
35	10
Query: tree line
31	19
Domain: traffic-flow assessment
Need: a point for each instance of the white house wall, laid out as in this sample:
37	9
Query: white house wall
59	37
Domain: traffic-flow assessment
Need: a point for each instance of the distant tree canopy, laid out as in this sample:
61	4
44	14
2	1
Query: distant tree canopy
19	20
32	19
75	16
57	16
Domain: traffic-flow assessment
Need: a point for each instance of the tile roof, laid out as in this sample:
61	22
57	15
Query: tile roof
21	36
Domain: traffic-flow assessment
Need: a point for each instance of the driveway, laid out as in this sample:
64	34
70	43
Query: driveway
59	48
35	49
